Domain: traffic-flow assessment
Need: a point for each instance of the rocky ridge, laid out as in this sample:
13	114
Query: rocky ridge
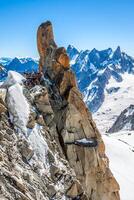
50	147
95	68
125	121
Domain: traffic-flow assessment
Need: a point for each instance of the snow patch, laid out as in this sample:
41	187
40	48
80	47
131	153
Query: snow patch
16	101
129	112
13	78
119	149
115	103
127	126
39	144
18	107
73	60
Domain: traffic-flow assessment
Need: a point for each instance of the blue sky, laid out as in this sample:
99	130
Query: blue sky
83	23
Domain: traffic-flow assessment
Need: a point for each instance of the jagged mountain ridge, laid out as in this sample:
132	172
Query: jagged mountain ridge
93	70
7	61
20	65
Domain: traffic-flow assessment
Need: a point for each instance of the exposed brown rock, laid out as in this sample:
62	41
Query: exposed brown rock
42	103
51	190
1	136
61	57
50	55
25	149
75	190
2	108
22	174
45	40
68	82
75	123
31	121
40	120
1	157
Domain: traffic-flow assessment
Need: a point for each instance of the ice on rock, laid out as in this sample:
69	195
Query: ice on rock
18	106
39	144
19	110
13	78
129	112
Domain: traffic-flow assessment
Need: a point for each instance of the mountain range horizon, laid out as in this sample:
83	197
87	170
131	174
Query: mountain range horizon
72	46
93	69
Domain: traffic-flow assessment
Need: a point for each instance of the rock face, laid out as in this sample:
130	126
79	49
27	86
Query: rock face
45	39
74	123
50	55
50	147
32	164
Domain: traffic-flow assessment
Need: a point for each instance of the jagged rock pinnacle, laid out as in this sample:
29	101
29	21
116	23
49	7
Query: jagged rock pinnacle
75	125
50	55
45	39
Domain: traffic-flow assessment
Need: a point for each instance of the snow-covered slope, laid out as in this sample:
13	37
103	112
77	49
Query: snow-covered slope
120	97
120	150
15	99
119	146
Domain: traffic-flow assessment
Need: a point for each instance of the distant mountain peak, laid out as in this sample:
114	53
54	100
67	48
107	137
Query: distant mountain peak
18	64
95	68
117	53
71	48
15	60
94	50
118	49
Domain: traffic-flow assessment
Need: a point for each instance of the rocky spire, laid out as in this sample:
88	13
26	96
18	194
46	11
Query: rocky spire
79	137
50	55
117	53
45	40
50	146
